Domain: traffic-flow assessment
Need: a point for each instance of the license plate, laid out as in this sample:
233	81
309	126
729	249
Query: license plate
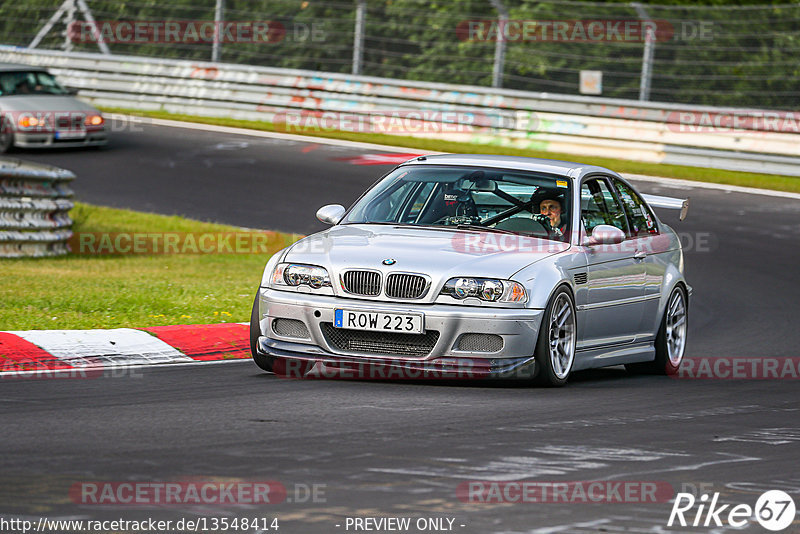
70	135
405	323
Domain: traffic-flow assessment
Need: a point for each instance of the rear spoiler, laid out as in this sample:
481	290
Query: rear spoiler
668	203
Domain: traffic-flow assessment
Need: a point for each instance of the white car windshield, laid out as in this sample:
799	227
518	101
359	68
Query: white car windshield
521	202
29	83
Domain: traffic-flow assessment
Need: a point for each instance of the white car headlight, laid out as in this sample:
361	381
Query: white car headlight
488	289
297	274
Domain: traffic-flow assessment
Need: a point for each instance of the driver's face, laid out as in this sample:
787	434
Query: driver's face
552	209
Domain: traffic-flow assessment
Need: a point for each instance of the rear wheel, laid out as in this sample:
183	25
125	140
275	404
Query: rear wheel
264	362
555	348
670	342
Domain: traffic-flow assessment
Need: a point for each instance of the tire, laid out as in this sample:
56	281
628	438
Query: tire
6	136
264	362
555	347
670	344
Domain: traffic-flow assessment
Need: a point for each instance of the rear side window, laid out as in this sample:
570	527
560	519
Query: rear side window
642	221
599	206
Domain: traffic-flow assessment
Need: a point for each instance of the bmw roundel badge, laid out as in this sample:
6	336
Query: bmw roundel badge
389	261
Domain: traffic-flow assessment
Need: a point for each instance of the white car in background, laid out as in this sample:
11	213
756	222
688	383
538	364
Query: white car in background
37	112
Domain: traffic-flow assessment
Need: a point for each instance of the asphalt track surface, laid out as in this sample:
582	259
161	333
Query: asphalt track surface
401	449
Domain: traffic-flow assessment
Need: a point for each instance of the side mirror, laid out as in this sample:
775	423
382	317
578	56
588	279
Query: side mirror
331	214
605	234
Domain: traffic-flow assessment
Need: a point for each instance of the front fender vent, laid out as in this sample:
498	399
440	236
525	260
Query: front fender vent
580	278
290	328
480	343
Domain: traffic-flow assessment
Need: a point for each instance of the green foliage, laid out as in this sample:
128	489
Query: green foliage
137	290
714	52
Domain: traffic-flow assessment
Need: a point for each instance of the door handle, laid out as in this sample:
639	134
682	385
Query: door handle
639	255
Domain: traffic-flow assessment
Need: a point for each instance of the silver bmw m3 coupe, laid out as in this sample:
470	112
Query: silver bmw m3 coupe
471	266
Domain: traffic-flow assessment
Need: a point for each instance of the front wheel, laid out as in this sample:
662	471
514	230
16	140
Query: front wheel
264	362
6	136
555	348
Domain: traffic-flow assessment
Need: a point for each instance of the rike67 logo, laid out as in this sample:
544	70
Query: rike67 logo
774	511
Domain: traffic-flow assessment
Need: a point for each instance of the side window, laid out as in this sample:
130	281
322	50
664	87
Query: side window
600	206
642	221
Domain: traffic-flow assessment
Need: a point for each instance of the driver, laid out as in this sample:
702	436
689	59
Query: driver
551	204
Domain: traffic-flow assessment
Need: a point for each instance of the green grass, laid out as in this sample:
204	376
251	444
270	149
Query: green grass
90	291
746	179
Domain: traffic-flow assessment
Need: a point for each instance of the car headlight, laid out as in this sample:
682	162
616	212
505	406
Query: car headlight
28	121
296	274
488	289
94	120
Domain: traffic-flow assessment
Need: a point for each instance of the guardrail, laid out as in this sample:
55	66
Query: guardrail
34	209
735	139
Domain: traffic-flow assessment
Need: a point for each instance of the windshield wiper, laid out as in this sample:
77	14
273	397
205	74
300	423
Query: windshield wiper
485	228
442	226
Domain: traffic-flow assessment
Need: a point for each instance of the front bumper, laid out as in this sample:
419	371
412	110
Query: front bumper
49	140
317	353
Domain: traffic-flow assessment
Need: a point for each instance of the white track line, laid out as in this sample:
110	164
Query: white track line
271	135
388	148
675	182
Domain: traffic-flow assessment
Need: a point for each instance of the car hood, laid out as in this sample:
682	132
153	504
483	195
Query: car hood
44	103
440	253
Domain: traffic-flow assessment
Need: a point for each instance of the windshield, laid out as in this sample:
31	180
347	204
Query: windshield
520	202
29	83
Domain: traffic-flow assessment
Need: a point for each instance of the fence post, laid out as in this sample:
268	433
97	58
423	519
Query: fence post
69	20
358	39
219	18
87	14
499	44
49	25
68	8
649	52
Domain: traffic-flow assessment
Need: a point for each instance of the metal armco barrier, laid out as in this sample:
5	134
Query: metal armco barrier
762	141
34	209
